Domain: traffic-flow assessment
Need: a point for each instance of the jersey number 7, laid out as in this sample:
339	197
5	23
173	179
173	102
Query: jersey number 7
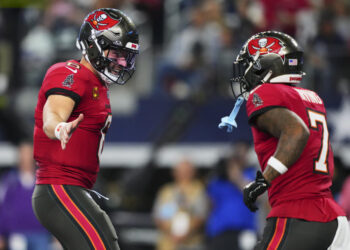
321	162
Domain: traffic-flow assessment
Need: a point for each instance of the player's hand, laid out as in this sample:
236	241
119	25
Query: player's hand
253	190
66	130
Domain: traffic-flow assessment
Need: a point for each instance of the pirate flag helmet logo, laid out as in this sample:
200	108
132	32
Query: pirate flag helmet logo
99	20
266	45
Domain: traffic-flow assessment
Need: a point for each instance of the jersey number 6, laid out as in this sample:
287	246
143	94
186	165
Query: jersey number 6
315	118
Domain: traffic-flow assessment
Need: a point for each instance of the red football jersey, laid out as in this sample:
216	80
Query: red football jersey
304	190
78	164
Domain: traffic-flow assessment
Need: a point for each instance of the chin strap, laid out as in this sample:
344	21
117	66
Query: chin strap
229	121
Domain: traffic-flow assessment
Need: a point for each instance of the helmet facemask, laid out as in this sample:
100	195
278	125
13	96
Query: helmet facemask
119	65
114	63
239	85
247	74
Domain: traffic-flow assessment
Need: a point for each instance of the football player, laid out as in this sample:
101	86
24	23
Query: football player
72	116
291	140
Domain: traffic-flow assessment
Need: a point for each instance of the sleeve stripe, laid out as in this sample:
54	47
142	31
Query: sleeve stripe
258	112
60	91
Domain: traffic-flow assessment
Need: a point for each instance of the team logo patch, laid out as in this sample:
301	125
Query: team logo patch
257	100
95	93
100	20
68	82
266	45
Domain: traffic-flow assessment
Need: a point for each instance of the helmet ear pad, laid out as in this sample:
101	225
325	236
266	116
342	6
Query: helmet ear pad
94	54
104	43
95	57
253	77
274	63
263	69
91	51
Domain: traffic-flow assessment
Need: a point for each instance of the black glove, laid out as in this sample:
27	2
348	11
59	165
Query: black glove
253	190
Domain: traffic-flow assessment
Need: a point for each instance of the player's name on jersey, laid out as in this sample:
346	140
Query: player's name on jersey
309	96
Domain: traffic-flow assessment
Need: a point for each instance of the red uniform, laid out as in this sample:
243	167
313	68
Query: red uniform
78	164
303	192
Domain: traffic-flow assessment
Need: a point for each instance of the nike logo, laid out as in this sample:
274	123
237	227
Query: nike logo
73	70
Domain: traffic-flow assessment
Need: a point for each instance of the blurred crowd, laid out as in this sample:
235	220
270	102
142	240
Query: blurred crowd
185	44
187	50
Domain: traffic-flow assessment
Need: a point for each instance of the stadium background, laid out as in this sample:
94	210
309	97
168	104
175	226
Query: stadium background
171	108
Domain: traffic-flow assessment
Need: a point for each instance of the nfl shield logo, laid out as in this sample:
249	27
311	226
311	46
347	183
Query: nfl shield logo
68	82
257	100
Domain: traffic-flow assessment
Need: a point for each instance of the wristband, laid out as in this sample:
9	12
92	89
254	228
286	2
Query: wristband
58	129
277	165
